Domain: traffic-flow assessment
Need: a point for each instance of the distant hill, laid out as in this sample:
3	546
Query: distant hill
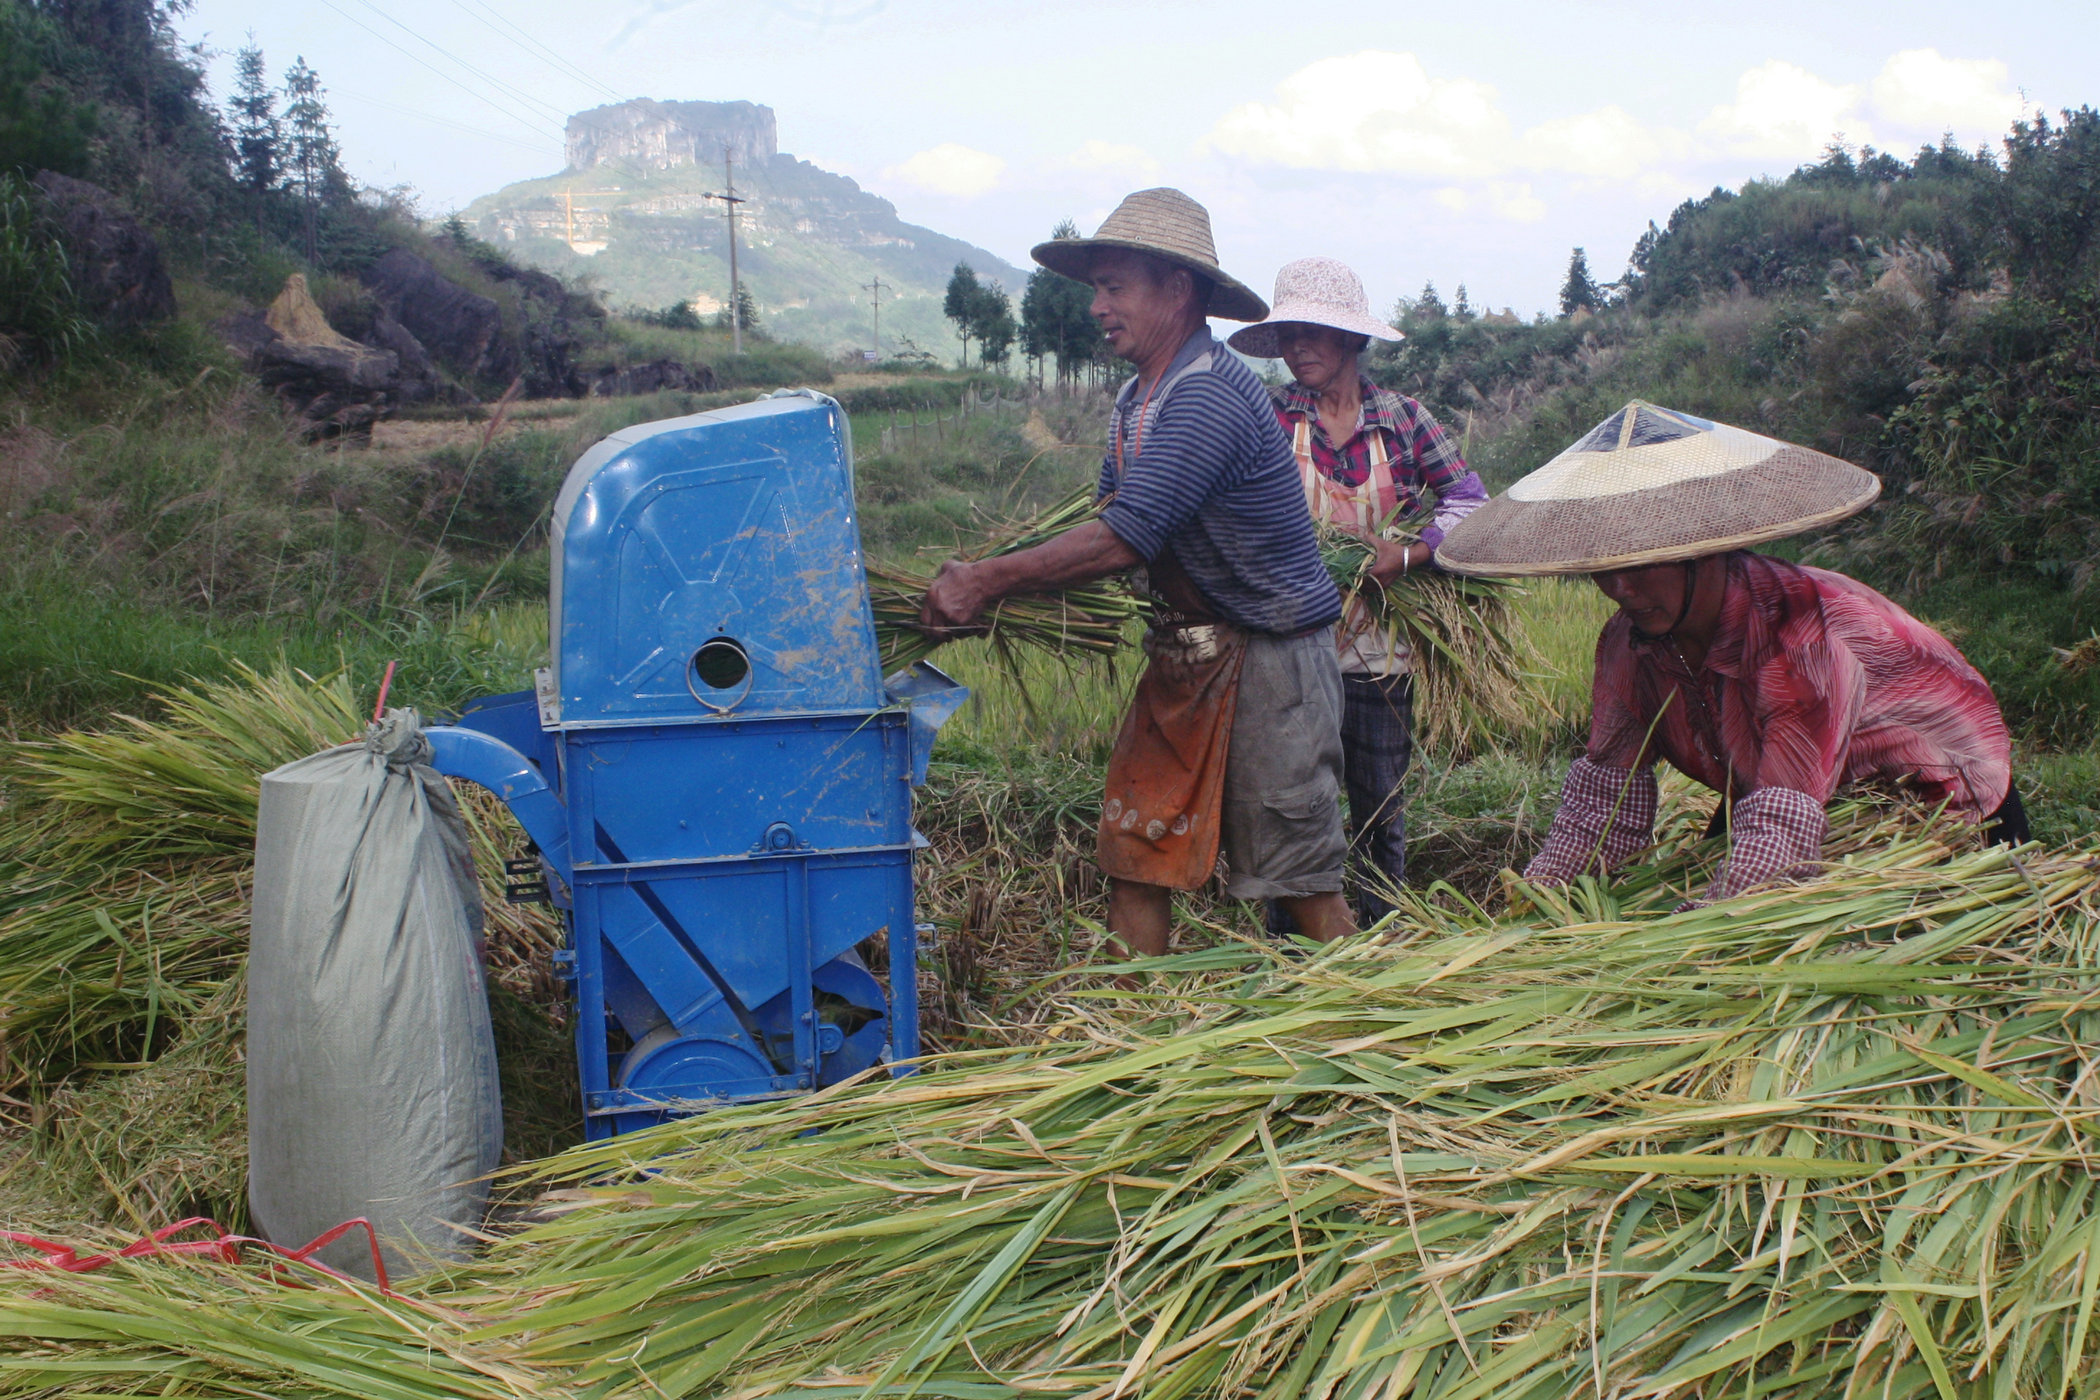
632	214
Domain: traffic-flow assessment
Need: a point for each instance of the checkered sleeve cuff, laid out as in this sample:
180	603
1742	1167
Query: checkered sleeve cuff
1775	833
1605	816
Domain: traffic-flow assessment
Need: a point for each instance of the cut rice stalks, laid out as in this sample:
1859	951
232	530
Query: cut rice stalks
1818	1141
124	874
1086	621
1473	670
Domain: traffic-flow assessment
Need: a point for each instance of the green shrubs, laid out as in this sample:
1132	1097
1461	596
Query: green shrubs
41	320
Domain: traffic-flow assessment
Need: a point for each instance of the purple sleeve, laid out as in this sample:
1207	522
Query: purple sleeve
1453	504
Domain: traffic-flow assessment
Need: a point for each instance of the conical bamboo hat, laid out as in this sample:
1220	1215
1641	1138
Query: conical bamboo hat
1649	485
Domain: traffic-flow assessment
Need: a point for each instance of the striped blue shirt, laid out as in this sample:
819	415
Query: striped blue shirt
1210	476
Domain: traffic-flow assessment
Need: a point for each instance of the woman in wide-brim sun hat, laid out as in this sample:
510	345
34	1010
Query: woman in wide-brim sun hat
1770	682
1367	457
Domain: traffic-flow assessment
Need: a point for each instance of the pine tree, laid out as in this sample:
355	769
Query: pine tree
1429	306
312	166
1460	307
992	321
961	305
258	136
746	313
1580	292
1057	317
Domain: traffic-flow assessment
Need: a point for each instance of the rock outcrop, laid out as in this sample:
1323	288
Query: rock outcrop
659	135
336	386
459	327
117	271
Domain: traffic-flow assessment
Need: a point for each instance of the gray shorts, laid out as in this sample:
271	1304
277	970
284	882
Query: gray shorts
1283	772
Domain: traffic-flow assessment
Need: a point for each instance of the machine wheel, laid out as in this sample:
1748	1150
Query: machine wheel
665	1059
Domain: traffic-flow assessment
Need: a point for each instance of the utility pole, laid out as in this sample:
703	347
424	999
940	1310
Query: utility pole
736	290
876	288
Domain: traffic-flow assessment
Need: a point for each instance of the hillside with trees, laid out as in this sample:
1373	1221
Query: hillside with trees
200	312
1935	319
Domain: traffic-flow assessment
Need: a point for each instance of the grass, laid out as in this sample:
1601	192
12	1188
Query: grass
934	487
763	363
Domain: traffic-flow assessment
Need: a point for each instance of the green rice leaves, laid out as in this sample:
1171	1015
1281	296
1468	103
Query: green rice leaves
1820	1140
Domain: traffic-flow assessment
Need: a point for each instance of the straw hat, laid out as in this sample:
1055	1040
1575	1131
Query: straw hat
1167	224
1318	292
1649	485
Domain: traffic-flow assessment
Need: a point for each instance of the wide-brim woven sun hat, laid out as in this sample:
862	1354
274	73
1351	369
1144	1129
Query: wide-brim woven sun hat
1166	224
1314	292
1650	485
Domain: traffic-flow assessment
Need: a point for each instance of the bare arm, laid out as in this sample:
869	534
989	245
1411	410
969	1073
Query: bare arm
1396	557
961	592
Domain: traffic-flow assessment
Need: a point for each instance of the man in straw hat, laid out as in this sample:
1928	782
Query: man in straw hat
1771	682
1366	457
1233	736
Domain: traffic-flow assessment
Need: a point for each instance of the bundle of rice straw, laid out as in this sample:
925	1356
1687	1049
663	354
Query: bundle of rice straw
1088	620
1819	1141
1471	665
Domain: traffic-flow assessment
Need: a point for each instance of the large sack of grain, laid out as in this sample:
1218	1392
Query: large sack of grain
372	1086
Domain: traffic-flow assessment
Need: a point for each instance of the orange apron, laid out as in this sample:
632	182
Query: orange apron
1362	643
1362	507
1162	812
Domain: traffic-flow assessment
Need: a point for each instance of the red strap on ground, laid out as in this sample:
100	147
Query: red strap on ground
222	1246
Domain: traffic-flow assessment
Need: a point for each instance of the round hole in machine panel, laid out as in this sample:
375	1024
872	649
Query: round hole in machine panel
721	663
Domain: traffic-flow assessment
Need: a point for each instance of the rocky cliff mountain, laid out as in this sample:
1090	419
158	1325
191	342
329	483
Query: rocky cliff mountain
634	214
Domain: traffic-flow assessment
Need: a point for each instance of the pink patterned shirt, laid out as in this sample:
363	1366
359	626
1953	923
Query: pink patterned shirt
1812	681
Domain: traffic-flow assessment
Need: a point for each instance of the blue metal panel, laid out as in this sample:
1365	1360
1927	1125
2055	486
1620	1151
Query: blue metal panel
736	524
685	792
932	698
715	767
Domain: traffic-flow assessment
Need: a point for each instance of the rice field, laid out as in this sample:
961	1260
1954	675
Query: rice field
1832	1140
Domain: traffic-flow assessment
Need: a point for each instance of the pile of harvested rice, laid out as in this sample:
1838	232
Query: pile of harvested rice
1818	1141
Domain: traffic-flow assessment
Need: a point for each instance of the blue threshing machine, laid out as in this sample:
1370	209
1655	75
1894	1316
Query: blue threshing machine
714	771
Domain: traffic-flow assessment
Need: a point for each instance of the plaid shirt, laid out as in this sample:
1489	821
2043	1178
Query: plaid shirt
1811	681
1418	449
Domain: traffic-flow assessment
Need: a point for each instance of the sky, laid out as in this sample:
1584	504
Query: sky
1459	144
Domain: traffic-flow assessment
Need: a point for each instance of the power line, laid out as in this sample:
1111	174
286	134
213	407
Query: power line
441	121
875	290
529	123
520	94
524	40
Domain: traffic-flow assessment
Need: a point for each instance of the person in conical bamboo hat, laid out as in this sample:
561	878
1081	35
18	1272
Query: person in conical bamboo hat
1771	682
1233	739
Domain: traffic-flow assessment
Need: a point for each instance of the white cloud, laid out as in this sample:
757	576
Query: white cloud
950	169
1382	112
1370	111
1784	112
1514	202
1926	93
1608	142
1110	157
